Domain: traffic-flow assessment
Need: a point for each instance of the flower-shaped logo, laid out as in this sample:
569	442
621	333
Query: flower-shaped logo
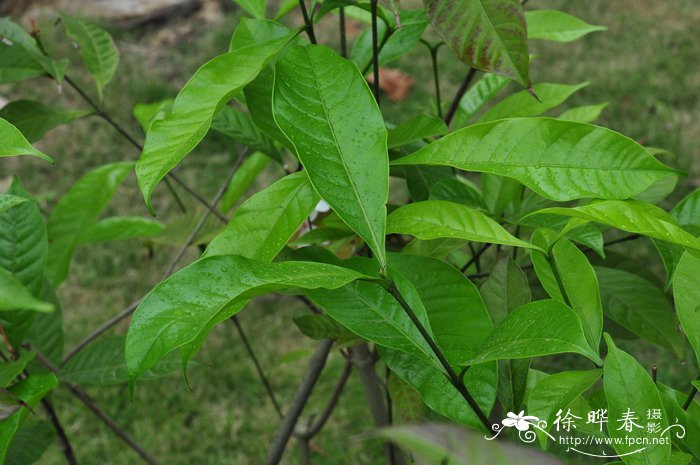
520	421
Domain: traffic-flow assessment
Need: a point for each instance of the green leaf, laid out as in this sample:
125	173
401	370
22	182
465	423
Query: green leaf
586	234
369	311
560	160
628	387
23	250
631	216
421	179
17	65
147	113
406	402
34	119
256	31
240	127
444	444
557	26
30	391
255	8
265	222
77	210
30	443
339	136
543	327
13	143
97	50
9	201
557	392
323	327
169	140
258	96
46	332
478	95
505	290
11	369
584	113
458	190
640	307
24	44
673	401
490	35
102	364
14	296
686	292
568	271
523	103
119	228
244	177
415	129
401	41
438	218
183	309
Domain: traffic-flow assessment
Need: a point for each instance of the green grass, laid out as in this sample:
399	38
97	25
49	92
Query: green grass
645	65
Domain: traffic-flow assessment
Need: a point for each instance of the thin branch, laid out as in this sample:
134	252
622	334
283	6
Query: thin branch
98	412
138	146
631	237
691	396
451	374
332	402
476	257
66	447
261	374
460	93
307	21
171	268
343	32
301	397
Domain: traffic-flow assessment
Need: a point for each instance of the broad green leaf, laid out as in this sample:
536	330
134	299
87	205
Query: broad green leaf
34	119
686	292
406	402
325	108
557	392
119	228
258	97
23	250
640	307
408	292
14	296
543	327
501	194
460	324
183	309
560	160
478	95
584	113
415	129
586	234
557	26
505	290
30	443
490	35
24	44
77	210
434	248
102	363
629	388
13	143
438	218
458	190
323	327
256	31
17	65
169	140
30	391
401	41
689	419
687	214
265	222
318	236
240	127
569	277
147	113
255	8
244	177
444	444
369	311
97	50
11	369
46	332
658	191
632	216
9	201
421	179
523	103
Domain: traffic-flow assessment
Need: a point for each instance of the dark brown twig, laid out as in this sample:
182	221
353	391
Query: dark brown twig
460	93
66	447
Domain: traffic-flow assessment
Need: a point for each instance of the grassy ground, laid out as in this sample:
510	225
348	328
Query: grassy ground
645	65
